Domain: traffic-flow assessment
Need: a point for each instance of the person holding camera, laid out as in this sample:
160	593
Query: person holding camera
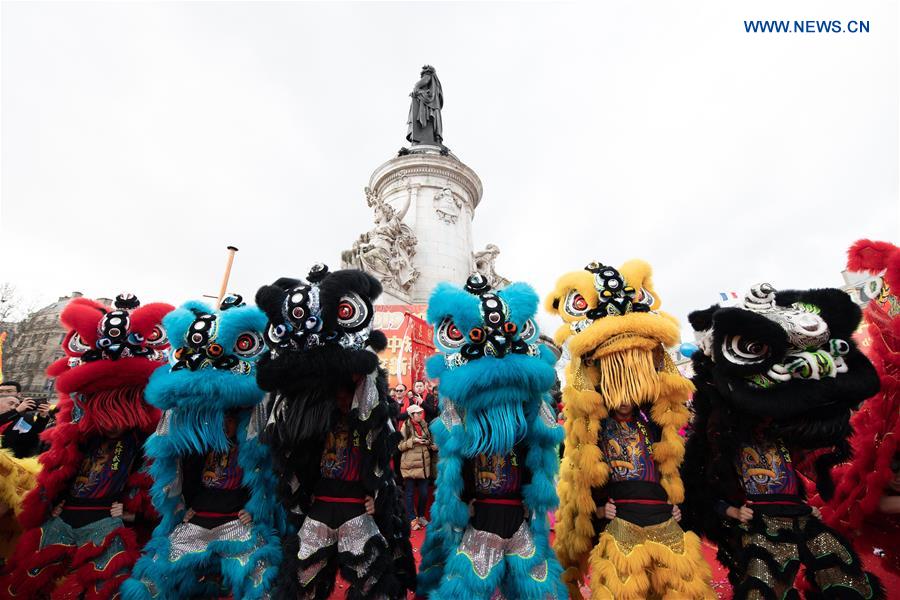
23	437
11	407
416	446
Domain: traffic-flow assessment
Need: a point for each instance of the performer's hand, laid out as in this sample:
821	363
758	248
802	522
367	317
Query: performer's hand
245	518
370	505
742	514
816	513
676	513
57	510
609	510
116	509
188	515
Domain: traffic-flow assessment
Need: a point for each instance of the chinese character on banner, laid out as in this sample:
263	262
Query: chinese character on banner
409	341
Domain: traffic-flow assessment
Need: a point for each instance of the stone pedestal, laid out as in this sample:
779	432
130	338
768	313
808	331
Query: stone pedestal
443	194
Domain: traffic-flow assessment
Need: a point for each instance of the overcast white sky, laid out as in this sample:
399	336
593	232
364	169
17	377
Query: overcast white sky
138	140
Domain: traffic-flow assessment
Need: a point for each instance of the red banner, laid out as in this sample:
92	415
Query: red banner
409	341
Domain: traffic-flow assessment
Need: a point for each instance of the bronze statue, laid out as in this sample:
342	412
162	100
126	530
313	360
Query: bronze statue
424	125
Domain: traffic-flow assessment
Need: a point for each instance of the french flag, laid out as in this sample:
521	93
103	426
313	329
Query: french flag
726	296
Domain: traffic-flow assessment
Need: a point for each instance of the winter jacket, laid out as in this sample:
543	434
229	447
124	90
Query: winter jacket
415	460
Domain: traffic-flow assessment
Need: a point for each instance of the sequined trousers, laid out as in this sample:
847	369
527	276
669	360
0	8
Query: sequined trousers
356	547
631	562
491	567
773	548
83	562
195	561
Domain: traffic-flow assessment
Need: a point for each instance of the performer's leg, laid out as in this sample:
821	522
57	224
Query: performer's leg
316	565
248	561
679	570
365	561
529	573
41	557
170	567
619	564
832	566
107	550
475	570
769	561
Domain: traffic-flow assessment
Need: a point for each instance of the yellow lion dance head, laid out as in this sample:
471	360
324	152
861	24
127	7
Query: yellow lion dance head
615	333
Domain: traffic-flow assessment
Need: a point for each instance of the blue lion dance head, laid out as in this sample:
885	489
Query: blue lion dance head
491	363
212	368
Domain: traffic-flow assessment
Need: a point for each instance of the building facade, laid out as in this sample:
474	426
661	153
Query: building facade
33	344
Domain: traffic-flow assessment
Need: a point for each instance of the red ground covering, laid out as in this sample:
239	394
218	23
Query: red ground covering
887	567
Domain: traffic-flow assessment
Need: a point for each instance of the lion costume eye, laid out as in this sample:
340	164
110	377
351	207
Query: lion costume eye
742	351
529	332
77	345
352	312
645	297
248	344
157	337
275	334
449	335
871	290
576	305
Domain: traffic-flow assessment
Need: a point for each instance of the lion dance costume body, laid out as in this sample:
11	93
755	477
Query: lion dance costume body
498	440
867	492
207	458
616	339
95	458
332	438
776	380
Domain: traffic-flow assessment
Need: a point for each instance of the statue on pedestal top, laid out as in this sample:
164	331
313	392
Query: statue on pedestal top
424	125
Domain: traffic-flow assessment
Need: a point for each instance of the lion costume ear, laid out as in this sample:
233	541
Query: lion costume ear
638	274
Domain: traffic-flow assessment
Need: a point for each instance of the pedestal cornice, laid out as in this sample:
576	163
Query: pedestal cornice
445	167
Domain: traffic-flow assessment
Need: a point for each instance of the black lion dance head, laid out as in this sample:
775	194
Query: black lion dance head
322	346
782	362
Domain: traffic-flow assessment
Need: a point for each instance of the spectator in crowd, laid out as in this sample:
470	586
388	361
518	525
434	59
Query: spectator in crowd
22	420
399	395
416	445
11	407
428	401
23	437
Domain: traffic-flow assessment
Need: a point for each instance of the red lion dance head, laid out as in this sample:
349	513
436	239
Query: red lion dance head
863	481
110	355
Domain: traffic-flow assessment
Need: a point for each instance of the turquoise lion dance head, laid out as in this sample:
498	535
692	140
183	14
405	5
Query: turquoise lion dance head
491	364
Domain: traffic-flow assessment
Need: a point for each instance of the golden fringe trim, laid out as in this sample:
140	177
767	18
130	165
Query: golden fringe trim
650	566
628	376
